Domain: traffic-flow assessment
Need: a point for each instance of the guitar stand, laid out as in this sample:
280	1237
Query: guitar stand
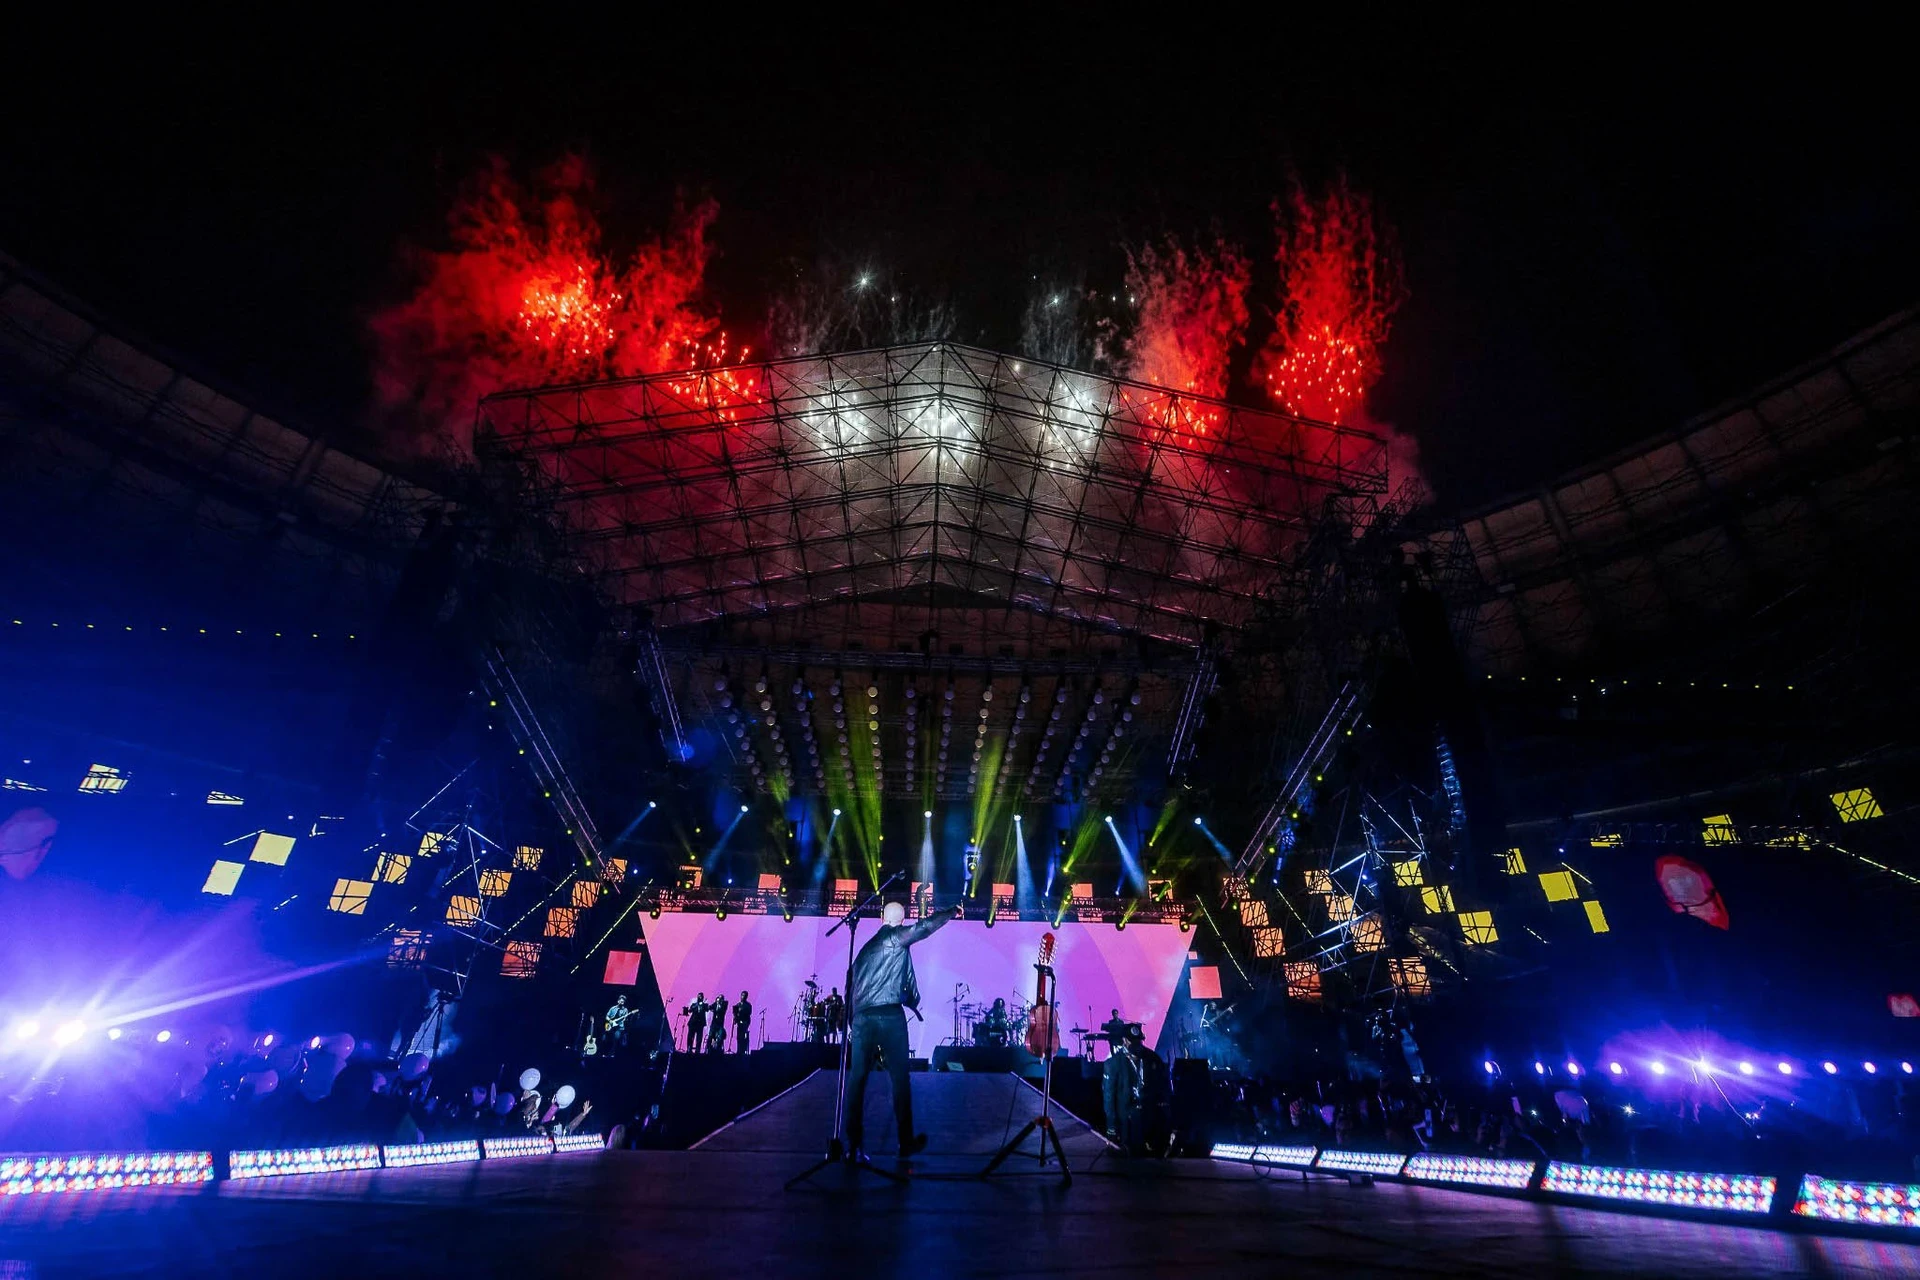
1050	1147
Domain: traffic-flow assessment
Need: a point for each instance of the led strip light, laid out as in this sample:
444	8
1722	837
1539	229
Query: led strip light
1729	1192
272	1164
422	1153
1385	1163
106	1171
508	1148
1882	1204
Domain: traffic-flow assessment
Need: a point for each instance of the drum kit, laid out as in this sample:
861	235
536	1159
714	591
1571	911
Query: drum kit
977	1023
814	1018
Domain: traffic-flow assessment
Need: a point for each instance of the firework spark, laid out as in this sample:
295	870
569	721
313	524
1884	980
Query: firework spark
1340	284
1190	312
527	295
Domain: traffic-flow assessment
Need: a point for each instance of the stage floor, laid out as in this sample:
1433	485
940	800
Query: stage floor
720	1210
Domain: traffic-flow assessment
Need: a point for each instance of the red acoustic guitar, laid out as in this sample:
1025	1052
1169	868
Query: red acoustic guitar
1042	1038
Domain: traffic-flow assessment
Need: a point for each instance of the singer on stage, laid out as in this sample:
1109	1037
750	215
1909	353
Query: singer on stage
884	988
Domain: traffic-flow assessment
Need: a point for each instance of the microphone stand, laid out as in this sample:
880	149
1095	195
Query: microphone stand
836	1148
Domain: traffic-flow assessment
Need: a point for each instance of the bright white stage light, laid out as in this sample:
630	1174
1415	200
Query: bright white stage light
1196	821
1829	1068
1659	1068
836	813
1786	1068
1488	1067
113	1033
928	813
1869	1068
163	1037
1539	1068
26	1029
69	1031
1573	1068
743	808
1746	1068
1616	1068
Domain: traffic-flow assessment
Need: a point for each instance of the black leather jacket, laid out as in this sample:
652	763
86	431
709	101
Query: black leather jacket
883	971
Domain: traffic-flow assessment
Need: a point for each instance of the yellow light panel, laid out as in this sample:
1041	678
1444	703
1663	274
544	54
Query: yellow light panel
616	870
407	949
494	884
1319	882
586	893
1607	840
1253	913
1303	981
350	897
1268	943
392	868
1595	916
1366	933
104	779
1857	805
432	842
1407	874
562	922
224	876
1339	908
1410	976
1559	886
271	849
1516	862
527	858
1717	830
1437	898
1478	927
463	910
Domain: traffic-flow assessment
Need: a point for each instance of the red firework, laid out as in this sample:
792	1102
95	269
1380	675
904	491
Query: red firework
527	295
720	380
1340	284
1190	311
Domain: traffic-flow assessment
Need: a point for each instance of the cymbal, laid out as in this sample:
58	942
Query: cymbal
1078	1031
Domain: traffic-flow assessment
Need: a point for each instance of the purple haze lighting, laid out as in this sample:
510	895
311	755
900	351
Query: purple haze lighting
28	1175
1730	1192
269	1164
1883	1204
419	1153
1473	1171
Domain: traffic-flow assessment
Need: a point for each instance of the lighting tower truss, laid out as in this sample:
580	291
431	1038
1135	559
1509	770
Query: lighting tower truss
857	571
1365	920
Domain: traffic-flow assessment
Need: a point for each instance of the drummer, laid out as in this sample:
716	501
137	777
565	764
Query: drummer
994	1028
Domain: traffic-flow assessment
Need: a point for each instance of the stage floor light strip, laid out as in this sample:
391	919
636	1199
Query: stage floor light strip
105	1171
508	1148
1231	1151
1880	1204
1383	1163
1727	1192
422	1153
272	1164
579	1142
1292	1157
1471	1171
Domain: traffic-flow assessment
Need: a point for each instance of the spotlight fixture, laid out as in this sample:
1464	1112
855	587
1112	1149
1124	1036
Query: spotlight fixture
926	813
1616	1068
653	804
1829	1068
1488	1067
743	808
1786	1068
113	1033
1659	1068
836	813
68	1032
26	1029
163	1037
1196	820
1573	1068
1869	1068
1016	818
1539	1068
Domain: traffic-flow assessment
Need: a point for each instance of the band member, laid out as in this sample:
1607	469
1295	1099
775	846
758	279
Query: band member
1113	1031
994	1028
717	1037
884	988
696	1023
836	1016
616	1026
742	1023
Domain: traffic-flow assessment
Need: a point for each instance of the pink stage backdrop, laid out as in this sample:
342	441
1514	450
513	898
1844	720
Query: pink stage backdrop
1100	968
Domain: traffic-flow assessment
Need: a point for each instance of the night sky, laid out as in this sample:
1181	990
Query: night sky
1595	252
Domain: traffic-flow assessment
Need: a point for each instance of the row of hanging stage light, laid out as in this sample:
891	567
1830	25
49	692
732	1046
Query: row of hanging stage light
758	704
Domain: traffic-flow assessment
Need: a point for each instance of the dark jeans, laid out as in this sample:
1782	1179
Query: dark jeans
879	1033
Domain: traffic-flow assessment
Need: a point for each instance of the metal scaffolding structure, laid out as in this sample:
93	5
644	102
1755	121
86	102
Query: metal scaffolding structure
837	558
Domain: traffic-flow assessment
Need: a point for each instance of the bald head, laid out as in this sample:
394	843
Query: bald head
895	914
